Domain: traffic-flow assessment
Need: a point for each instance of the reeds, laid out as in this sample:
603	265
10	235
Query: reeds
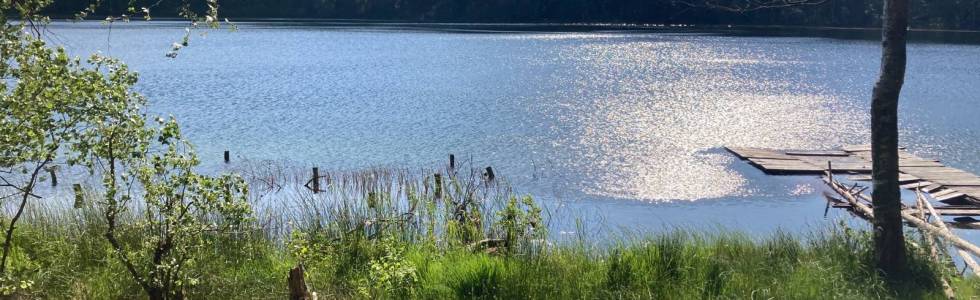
395	233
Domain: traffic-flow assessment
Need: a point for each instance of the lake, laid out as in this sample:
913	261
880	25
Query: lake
624	128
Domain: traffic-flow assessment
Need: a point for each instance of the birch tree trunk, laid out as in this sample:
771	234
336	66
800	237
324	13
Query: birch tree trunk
888	237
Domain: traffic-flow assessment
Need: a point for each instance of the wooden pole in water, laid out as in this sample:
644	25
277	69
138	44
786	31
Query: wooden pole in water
490	175
452	162
316	180
54	178
227	156
438	186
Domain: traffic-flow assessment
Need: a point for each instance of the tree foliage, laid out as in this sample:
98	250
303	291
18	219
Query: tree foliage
62	112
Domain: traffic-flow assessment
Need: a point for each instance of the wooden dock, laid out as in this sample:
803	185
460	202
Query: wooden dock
942	182
958	192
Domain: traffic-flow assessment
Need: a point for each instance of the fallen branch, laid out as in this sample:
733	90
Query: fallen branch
938	220
864	209
933	251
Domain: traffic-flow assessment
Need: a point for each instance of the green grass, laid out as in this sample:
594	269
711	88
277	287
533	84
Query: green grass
834	264
350	252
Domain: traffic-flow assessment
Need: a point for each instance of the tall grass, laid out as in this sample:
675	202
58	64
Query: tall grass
394	233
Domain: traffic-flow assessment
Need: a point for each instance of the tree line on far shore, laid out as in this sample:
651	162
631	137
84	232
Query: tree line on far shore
946	14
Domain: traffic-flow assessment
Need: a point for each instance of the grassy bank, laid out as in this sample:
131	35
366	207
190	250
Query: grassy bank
397	234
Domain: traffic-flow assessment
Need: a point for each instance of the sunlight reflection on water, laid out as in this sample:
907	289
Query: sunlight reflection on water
654	107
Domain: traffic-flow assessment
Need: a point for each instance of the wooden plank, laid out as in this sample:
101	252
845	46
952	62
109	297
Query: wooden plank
954	181
958	212
859	177
835	159
917	163
958	182
931	174
932	187
913	157
960	207
861	148
862	155
769	161
786	169
945	176
857	148
866	154
839	165
817	153
969	190
901	178
950	196
942	193
933	169
915	185
746	153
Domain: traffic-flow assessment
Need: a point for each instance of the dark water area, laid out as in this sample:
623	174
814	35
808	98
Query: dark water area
622	126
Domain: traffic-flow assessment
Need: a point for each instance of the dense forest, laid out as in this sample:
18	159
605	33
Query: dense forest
944	14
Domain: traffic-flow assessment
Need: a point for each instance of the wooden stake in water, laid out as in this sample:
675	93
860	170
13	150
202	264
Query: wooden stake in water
79	197
316	180
452	162
438	185
227	157
54	178
489	174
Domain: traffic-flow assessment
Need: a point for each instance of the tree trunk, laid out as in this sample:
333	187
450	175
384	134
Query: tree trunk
888	238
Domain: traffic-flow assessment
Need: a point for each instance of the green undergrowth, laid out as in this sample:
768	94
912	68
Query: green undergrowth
385	234
62	262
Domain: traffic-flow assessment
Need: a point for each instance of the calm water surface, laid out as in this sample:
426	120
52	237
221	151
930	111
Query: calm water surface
624	128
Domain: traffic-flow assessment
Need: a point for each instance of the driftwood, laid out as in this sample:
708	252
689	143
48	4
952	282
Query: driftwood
927	229
937	219
933	251
490	246
864	209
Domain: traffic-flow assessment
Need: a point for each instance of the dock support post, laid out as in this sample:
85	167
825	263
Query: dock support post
316	180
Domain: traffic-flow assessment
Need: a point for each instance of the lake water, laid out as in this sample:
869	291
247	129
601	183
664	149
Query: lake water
621	127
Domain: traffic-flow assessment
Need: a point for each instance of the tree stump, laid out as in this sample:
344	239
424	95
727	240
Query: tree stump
297	285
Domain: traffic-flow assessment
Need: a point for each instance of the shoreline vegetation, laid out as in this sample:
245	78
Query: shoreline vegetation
389	233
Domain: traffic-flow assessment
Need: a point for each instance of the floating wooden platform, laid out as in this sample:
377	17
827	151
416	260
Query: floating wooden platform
940	181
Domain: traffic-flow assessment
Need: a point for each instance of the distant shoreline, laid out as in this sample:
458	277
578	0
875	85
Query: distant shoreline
848	33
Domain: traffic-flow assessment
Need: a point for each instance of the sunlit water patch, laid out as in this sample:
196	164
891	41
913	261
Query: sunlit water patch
645	112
